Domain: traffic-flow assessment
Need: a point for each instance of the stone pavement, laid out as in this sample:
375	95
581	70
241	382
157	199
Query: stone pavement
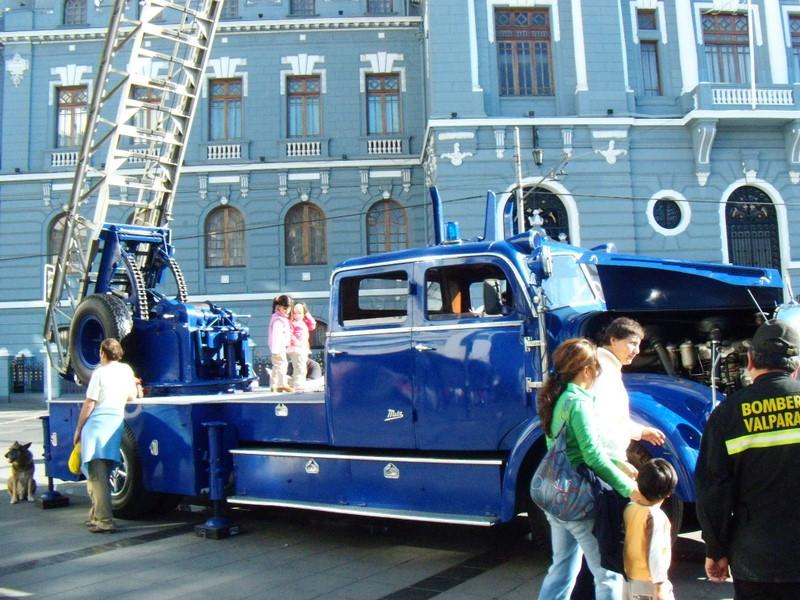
281	554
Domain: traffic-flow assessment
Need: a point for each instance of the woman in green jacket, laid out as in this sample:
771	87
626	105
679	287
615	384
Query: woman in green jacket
565	399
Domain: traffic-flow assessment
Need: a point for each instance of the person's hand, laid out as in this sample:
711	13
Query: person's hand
717	570
628	469
664	591
638	497
653	435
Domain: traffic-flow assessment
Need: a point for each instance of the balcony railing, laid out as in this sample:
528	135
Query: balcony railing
224	151
306	148
385	146
64	159
764	97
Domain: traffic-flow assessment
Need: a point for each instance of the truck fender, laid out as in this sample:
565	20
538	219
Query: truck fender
526	451
678	449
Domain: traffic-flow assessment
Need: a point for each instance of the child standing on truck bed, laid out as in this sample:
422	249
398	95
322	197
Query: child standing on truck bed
280	335
302	325
648	541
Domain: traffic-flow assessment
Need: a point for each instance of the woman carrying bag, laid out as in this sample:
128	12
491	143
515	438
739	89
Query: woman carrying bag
565	401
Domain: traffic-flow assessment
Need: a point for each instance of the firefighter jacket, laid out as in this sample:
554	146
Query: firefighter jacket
748	480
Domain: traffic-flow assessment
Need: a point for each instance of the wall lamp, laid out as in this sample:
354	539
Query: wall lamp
538	153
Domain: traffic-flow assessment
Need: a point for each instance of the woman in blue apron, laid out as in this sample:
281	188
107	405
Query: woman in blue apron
100	427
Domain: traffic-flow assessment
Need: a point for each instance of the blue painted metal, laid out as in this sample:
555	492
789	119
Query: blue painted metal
174	347
410	401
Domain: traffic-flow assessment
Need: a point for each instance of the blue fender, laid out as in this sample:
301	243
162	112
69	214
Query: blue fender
680	408
524	439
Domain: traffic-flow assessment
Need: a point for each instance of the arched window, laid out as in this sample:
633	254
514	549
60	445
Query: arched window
387	227
224	238
752	226
306	235
75	12
543	209
54	237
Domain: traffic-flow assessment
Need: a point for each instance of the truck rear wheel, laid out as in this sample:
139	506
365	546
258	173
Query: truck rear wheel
129	499
98	317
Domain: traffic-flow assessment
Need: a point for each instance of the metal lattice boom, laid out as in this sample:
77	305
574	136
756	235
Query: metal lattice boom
151	73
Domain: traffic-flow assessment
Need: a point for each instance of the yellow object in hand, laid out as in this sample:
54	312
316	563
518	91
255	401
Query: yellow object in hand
74	462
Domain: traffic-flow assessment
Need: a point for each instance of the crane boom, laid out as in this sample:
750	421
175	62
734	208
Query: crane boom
151	72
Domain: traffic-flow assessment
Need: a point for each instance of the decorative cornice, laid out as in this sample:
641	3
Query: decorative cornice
225	27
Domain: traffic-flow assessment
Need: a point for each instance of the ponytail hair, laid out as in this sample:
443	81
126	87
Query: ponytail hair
569	359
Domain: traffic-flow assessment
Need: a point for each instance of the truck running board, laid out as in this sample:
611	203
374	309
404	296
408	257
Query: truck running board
365	511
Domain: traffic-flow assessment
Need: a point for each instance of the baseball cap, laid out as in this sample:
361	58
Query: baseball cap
776	337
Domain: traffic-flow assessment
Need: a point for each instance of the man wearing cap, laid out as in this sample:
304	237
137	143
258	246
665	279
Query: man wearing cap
748	485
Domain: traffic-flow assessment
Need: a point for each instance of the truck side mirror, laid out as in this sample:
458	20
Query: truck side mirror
541	262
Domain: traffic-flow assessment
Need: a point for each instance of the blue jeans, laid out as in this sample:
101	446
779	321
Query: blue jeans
571	541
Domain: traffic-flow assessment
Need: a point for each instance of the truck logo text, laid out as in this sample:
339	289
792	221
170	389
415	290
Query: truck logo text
393	415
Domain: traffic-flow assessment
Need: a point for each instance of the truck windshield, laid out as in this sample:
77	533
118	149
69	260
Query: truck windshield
571	284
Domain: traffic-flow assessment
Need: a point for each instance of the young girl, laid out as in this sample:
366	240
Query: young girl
565	399
280	334
302	325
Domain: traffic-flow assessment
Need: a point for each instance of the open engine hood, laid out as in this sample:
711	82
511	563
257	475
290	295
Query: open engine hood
640	283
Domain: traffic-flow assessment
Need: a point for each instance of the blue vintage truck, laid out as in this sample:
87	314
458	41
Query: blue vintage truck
433	359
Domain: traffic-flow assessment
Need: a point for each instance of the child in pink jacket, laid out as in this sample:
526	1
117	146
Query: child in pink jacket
280	335
302	324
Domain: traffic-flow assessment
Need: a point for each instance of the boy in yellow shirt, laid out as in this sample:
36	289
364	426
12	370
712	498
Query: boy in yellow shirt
648	540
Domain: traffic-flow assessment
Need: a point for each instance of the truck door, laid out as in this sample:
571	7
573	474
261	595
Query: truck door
370	361
470	355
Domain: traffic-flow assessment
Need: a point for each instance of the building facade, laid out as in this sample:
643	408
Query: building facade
668	128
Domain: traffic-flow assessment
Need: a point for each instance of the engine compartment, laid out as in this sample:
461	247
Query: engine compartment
705	346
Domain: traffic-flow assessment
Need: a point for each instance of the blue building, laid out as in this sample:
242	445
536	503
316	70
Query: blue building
669	128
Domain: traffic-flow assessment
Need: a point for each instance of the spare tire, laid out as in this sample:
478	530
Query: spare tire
98	317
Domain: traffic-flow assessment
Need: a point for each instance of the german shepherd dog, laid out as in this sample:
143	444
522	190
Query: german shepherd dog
21	484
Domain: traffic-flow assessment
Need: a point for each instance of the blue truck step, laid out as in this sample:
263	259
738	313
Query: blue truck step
367	511
402	486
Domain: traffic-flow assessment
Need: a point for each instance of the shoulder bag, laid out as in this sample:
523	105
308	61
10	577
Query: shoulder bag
561	489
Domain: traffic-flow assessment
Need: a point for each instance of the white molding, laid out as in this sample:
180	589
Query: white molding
225	67
680	200
551	4
381	62
303	65
343	24
778	64
787	37
732	6
456	135
68	75
780	213
473	46
623	48
690	71
563	194
658	6
581	75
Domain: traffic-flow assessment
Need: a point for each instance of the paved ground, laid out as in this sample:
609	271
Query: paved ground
281	554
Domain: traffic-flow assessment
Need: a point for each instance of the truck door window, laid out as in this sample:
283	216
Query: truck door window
568	285
375	299
471	290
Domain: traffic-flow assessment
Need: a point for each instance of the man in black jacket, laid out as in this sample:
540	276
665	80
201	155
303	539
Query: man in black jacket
748	484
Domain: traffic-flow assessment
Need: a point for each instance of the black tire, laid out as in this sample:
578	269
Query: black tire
673	506
166	503
539	527
129	499
99	316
